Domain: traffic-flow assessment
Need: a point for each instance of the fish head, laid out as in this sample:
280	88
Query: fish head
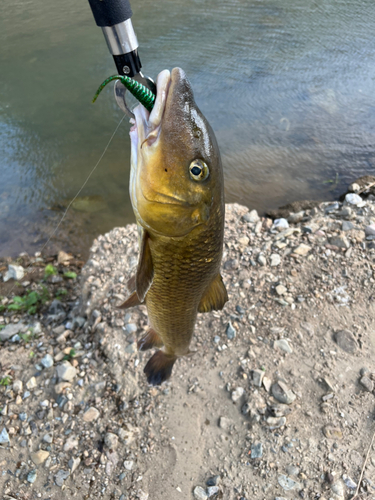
176	180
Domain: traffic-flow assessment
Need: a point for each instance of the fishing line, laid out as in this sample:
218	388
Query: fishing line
78	193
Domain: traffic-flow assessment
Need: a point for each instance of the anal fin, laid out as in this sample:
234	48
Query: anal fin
149	340
131	301
215	297
159	368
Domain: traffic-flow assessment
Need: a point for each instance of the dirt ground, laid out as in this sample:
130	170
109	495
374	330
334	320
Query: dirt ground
277	401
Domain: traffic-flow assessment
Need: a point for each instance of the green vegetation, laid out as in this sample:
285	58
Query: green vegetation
49	270
70	356
31	302
5	381
70	275
61	292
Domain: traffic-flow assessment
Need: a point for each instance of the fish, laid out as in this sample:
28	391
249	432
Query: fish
177	195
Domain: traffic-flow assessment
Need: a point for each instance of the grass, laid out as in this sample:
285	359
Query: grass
5	381
70	275
49	270
31	302
70	356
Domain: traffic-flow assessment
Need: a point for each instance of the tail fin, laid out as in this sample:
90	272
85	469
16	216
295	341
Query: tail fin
159	368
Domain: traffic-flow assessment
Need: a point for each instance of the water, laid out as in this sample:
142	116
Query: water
287	87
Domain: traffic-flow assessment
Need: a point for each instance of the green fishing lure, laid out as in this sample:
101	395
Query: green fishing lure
139	91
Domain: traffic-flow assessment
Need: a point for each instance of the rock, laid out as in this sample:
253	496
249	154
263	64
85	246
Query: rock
31	476
73	464
230	331
280	224
213	481
349	482
65	371
4	436
347	225
294	218
131	328
63	258
256	450
339	241
237	394
275	260
354	199
261	260
292	470
338	489
267	382
302	249
47	438
200	493
71	443
332	432
257	377
275	422
59	388
39	457
11	330
331	208
31	384
129	464
61	476
224	423
281	290
251	217
283	345
288	483
367	383
111	441
47	361
282	393
91	414
346	341
56	308
17	386
243	242
370	230
212	491
14	272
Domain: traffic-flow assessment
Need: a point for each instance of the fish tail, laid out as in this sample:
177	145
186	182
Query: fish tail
159	368
149	340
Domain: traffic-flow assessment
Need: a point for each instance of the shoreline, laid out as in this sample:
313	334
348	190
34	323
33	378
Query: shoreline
276	402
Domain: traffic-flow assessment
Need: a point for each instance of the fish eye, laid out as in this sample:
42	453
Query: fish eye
198	170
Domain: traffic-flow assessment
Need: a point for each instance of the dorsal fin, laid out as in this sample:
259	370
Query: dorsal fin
215	297
145	269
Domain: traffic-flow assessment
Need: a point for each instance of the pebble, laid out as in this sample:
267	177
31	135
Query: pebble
256	450
71	443
14	272
131	328
354	199
280	224
4	436
47	438
212	491
282	393
294	218
281	289
61	476
224	423
339	241
111	441
370	230
288	483
292	470
213	481
338	489
91	414
275	260
257	377
73	464
251	217
332	208
65	371
128	464
349	482
302	249
261	260
11	330
367	383
17	386
275	423
237	394
200	493
347	225
283	345
346	341
47	361
267	383
39	456
332	432
31	476
59	388
230	331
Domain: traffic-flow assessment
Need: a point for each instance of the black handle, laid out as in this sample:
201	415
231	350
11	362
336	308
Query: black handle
110	12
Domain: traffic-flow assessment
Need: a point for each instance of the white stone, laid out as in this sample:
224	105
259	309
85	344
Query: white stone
17	386
200	493
280	224
275	260
39	457
14	272
66	371
128	464
283	345
237	394
91	414
354	199
31	384
302	249
281	290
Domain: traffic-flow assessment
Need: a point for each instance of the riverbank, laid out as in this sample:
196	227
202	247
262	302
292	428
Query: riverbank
277	402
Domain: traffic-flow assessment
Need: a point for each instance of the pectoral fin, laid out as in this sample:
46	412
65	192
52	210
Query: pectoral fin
215	297
145	269
149	340
131	301
159	368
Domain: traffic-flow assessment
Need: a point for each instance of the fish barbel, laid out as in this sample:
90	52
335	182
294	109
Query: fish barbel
177	194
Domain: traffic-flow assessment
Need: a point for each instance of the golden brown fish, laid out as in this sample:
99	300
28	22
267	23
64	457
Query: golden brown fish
177	193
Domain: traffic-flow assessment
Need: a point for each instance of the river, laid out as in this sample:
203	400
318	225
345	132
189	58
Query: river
287	86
